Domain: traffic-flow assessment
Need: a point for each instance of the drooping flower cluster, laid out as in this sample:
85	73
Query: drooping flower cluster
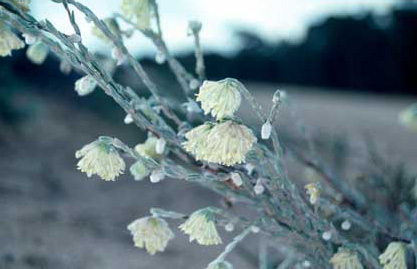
220	98
37	52
394	256
346	259
139	11
151	233
201	227
224	143
9	41
101	159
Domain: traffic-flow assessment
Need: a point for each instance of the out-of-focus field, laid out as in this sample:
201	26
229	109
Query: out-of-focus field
52	216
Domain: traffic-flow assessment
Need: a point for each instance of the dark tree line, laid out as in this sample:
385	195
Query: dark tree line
370	52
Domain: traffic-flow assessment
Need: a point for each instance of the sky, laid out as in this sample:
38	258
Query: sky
272	19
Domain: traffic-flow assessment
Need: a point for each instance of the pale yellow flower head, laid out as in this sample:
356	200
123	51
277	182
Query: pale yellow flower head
139	11
111	24
346	259
9	41
394	256
220	98
101	159
151	233
408	117
224	143
220	265
148	148
201	226
197	139
37	52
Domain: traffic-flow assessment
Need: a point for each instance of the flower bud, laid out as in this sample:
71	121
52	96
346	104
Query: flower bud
157	176
128	119
85	85
160	57
266	130
74	38
118	55
160	145
29	39
237	179
37	53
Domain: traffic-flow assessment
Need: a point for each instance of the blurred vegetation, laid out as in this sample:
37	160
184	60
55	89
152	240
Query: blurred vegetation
370	52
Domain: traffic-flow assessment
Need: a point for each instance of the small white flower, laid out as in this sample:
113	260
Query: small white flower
160	57
313	190
249	168
128	119
29	39
229	227
259	189
266	130
236	178
200	226
225	143
118	55
194	84
160	145
37	52
8	41
220	98
346	225
139	171
327	235
255	229
74	38
157	176
85	85
345	259
148	148
151	233
101	159
220	265
138	10
65	67
394	256
408	117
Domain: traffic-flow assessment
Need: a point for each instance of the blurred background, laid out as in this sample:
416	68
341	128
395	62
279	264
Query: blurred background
348	67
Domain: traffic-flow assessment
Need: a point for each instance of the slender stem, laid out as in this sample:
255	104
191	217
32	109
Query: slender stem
183	77
118	43
200	67
229	248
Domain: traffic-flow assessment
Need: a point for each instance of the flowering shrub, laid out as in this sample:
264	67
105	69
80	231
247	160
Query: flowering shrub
327	223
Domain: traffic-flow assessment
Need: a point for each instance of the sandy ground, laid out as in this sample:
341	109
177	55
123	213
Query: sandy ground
52	216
